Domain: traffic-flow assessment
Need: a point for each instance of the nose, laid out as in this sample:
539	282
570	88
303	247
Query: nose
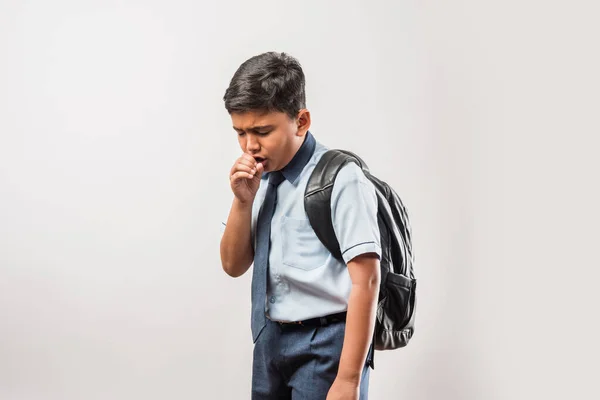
252	145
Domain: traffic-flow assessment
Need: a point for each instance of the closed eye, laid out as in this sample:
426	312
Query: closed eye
242	133
259	130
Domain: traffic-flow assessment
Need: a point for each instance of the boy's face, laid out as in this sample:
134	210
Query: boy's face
272	138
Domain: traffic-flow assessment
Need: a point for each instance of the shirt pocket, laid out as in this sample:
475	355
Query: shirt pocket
301	248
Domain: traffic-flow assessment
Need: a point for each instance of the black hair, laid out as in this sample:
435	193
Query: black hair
267	82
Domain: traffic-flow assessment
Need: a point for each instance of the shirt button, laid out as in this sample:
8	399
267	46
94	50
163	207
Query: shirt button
272	299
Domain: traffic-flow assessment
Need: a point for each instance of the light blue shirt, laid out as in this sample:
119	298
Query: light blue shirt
305	280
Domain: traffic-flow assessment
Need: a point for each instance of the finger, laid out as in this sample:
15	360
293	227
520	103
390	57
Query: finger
260	169
245	159
239	166
240	175
248	157
251	162
245	168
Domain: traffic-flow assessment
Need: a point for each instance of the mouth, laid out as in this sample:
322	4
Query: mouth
260	160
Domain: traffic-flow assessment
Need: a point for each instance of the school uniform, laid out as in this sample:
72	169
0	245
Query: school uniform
304	282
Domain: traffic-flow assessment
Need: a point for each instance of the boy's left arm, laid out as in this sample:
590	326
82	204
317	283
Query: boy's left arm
360	322
354	215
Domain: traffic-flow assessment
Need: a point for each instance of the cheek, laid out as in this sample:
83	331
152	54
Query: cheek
271	147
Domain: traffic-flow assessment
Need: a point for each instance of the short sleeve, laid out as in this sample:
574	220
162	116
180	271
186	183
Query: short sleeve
354	213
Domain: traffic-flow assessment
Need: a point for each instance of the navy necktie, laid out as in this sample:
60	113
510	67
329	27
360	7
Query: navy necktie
261	254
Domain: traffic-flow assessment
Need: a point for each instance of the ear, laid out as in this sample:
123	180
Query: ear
303	122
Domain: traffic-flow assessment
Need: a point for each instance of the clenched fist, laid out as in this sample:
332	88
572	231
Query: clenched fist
245	178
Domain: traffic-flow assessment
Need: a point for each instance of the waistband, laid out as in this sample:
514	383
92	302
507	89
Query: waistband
319	321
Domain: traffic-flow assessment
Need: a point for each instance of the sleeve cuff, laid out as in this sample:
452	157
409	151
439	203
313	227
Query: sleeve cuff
361	248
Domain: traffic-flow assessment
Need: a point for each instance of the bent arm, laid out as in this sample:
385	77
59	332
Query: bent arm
237	253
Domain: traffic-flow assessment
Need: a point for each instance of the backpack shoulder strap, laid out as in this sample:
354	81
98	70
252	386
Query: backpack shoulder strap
317	196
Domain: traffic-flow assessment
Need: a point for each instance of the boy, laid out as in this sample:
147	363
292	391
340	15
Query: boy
313	315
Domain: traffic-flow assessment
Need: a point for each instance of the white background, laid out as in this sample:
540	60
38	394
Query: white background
115	149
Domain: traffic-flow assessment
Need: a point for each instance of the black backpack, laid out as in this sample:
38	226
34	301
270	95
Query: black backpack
394	325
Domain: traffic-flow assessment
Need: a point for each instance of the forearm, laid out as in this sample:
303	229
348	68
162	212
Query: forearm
360	323
236	246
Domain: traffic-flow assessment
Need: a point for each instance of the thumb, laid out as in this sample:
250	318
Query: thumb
259	170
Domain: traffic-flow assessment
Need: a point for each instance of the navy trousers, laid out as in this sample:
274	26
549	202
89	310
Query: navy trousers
299	362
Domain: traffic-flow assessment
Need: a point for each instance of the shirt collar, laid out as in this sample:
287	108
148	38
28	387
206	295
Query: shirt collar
292	170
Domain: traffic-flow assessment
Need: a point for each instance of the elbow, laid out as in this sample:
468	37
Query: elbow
368	284
230	269
226	264
373	281
234	270
233	263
